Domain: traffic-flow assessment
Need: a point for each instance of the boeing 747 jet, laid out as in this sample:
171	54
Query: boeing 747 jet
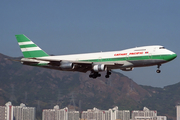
125	60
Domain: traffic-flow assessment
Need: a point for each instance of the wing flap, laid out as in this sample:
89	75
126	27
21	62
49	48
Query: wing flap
80	66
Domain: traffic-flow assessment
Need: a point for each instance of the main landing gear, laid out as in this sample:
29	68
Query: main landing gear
96	74
158	70
107	74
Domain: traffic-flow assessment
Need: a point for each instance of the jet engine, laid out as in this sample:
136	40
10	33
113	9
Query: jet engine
66	66
100	67
127	69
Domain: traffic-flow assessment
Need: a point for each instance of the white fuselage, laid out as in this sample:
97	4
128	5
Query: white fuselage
133	52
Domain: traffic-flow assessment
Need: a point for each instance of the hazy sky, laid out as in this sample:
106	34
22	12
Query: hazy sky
80	26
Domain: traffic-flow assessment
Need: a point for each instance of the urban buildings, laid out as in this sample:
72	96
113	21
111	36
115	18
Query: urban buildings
111	114
146	114
10	112
59	114
97	114
90	114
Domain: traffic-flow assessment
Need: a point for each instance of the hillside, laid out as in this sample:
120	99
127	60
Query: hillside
44	88
163	99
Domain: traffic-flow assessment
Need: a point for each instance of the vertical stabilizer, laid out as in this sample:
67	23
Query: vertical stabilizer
28	48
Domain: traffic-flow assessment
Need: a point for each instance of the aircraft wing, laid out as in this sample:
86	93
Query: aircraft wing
84	66
80	66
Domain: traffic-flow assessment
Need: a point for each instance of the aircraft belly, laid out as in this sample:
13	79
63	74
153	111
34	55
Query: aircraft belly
141	63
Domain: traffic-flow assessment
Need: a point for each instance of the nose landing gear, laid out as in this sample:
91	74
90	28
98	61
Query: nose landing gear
158	70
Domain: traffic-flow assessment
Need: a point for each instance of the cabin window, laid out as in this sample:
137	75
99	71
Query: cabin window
162	48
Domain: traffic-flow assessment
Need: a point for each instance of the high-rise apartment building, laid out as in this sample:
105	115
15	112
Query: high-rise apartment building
136	114
28	113
56	114
178	111
2	112
48	114
10	112
123	115
73	115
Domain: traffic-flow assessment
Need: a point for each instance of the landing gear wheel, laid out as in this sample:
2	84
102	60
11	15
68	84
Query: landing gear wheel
94	75
158	71
99	75
107	76
108	73
90	76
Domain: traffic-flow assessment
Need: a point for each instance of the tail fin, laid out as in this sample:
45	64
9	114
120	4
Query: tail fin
28	48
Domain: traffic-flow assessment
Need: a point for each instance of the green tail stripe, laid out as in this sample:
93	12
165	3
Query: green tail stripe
27	46
38	53
22	38
29	54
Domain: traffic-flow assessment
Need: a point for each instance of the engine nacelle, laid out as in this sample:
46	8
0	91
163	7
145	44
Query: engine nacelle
100	67
66	66
127	69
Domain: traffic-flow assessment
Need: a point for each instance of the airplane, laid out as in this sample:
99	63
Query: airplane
125	60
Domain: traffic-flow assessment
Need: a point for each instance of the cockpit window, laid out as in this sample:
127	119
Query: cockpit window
162	48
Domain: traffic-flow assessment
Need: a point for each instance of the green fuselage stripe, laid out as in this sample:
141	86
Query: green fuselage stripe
129	58
22	38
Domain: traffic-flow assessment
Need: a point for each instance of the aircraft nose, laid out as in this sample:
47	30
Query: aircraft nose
172	56
175	55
